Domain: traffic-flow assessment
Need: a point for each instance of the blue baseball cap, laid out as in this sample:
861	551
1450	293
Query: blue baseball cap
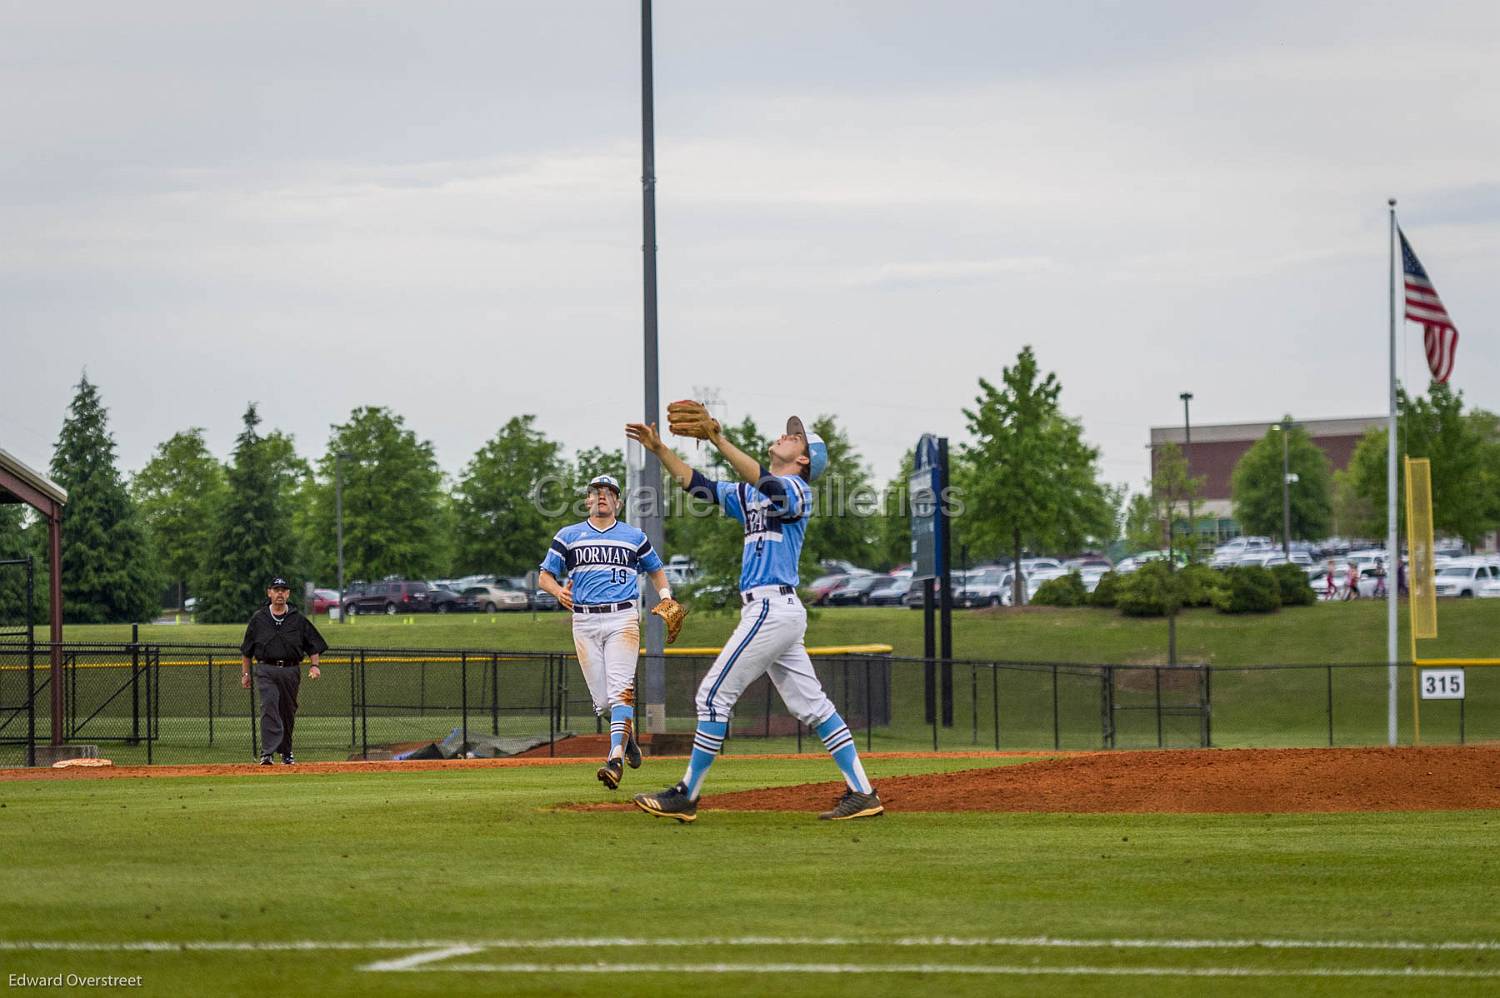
817	450
605	482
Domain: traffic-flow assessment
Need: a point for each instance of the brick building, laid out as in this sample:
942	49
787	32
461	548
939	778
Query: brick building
1217	448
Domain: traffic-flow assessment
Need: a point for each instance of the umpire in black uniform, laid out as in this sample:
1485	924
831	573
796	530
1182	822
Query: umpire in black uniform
275	641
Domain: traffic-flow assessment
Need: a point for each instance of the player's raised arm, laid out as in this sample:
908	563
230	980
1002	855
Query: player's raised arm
646	435
688	418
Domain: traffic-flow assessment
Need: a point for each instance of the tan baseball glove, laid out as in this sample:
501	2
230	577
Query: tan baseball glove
672	614
686	418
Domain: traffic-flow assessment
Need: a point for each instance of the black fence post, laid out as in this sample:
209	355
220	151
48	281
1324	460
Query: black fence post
1157	669
1330	706
1208	706
364	709
135	692
210	698
463	678
494	694
153	705
551	710
353	699
995	700
1056	721
869	709
974	701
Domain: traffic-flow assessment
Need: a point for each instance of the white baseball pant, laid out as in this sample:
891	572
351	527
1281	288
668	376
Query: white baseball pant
767	641
608	646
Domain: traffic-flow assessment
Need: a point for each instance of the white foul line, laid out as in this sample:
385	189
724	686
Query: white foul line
416	960
943	968
615	942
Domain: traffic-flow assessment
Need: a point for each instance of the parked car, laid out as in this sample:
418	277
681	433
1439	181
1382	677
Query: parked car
981	587
537	598
856	591
1230	552
1464	578
492	598
324	600
389	597
890	591
1127	565
818	589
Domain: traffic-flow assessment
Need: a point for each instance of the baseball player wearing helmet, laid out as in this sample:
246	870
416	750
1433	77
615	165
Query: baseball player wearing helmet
602	558
773	506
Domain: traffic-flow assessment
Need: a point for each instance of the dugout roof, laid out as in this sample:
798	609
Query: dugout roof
20	483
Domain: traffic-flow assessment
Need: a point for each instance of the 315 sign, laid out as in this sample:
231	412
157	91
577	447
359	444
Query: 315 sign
1442	684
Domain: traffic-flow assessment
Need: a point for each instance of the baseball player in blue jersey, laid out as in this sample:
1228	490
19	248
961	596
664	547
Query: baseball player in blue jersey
602	557
773	505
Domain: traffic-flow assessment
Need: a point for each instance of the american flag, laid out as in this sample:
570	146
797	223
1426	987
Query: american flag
1423	305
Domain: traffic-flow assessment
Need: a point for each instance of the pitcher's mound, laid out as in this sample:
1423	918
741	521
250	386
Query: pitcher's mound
1198	781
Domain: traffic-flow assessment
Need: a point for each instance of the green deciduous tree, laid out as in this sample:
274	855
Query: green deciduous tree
1029	480
1464	449
1256	485
845	523
396	518
511	498
15	544
1172	489
108	575
591	462
893	536
252	536
178	493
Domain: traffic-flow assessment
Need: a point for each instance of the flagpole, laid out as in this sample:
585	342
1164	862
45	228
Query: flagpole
1393	551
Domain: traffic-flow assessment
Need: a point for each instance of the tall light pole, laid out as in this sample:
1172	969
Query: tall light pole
338	507
650	518
1187	472
1285	426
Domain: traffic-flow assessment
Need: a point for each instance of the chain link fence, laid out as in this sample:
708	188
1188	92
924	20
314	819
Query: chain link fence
144	703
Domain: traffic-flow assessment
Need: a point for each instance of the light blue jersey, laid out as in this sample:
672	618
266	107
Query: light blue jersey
775	519
603	564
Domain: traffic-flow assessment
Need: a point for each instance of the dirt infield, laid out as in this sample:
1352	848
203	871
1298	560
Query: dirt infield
1180	781
536	757
1185	781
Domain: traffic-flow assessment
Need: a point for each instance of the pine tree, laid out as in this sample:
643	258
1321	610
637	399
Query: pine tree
107	570
253	537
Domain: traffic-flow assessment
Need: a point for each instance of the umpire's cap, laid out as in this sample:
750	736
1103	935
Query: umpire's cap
817	450
277	582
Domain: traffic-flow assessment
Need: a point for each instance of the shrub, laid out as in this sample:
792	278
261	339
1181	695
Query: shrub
1196	584
1149	591
1065	590
1104	593
1248	589
1295	589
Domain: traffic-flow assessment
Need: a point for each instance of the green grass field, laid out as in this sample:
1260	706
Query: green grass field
292	883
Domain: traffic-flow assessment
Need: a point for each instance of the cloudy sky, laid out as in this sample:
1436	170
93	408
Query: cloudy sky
863	208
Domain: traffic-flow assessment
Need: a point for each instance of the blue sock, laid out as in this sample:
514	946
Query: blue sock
620	717
707	741
839	741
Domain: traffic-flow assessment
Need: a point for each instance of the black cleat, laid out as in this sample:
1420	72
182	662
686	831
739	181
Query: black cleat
633	751
287	759
855	805
672	802
265	760
609	774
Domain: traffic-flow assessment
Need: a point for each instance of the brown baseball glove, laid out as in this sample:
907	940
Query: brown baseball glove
672	614
686	418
